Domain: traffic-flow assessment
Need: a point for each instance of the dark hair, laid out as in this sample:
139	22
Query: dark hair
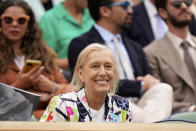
8	3
94	6
32	45
160	4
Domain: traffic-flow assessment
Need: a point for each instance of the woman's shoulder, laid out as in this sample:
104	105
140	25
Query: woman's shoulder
117	97
121	102
71	96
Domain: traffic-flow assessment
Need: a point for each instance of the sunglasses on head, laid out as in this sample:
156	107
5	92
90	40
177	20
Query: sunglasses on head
178	3
21	20
124	4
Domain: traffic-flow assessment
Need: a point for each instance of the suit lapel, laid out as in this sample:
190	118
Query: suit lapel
172	58
145	22
94	36
132	55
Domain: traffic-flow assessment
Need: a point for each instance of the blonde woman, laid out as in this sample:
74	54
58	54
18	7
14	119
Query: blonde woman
96	79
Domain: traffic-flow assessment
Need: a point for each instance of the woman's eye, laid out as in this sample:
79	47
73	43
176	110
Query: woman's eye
109	66
94	66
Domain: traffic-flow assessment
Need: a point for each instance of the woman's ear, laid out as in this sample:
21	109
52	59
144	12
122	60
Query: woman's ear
80	74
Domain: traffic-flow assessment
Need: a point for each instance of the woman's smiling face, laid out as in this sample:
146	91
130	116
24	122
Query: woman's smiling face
98	71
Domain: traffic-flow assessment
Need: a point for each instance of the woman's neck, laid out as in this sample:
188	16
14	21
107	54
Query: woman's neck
95	101
16	48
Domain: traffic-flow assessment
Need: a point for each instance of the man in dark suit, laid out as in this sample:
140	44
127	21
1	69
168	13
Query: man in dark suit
143	28
112	16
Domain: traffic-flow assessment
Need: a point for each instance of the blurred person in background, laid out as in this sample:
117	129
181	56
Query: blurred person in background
63	23
147	25
21	39
172	58
39	7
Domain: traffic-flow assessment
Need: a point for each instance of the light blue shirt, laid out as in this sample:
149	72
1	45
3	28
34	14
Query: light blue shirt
108	39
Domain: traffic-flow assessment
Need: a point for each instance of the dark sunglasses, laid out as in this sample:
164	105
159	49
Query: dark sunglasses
124	4
21	20
178	3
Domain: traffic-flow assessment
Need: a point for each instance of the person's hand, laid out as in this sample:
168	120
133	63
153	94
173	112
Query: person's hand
61	89
45	97
42	83
148	80
29	77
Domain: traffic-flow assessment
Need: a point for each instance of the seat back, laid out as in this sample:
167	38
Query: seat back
189	116
184	117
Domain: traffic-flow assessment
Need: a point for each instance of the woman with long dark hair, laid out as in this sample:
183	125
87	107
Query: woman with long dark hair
21	39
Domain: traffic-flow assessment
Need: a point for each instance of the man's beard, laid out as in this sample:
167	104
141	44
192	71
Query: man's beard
125	26
177	23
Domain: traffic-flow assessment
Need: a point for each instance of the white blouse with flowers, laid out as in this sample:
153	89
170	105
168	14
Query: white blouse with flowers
74	107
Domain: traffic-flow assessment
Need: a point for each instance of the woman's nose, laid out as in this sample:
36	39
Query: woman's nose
102	71
14	22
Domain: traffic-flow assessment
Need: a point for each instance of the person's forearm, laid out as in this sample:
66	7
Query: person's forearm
62	88
21	84
62	63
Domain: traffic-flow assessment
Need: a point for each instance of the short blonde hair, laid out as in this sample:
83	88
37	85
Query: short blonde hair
77	82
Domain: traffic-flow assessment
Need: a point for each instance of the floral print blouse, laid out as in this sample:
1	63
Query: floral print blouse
74	107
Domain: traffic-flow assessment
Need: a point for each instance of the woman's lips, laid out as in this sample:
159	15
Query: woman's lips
14	33
102	82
